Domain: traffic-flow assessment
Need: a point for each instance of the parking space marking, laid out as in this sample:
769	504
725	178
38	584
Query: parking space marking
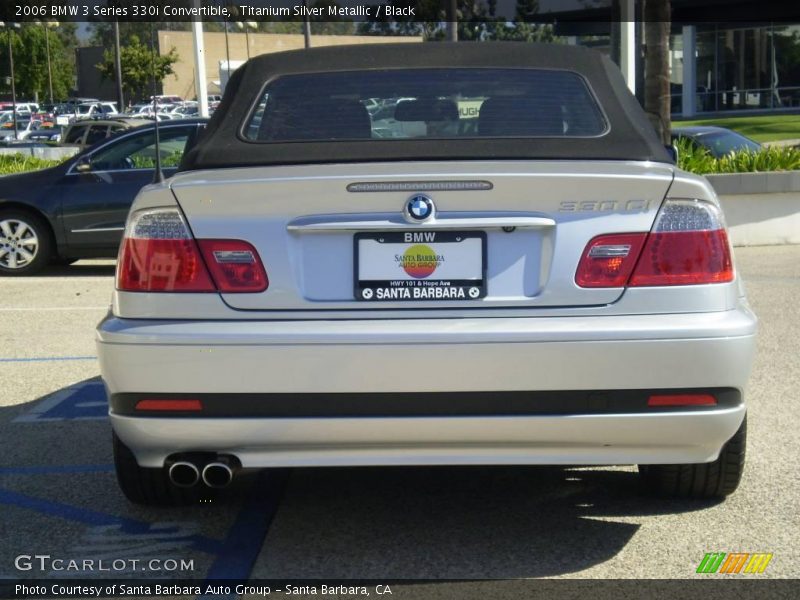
94	518
244	542
47	358
85	401
111	536
47	470
50	308
168	540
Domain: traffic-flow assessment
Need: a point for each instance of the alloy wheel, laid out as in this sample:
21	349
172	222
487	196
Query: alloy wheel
19	244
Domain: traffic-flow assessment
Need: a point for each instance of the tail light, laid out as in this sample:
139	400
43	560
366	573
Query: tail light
608	260
159	254
688	245
234	265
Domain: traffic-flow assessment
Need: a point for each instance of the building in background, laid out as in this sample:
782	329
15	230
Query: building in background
182	83
733	64
739	67
90	83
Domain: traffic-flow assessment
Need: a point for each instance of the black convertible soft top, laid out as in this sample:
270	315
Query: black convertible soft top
630	136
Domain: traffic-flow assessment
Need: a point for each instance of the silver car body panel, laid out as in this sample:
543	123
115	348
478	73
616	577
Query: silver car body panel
535	330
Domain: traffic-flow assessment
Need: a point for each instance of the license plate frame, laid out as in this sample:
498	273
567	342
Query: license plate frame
452	289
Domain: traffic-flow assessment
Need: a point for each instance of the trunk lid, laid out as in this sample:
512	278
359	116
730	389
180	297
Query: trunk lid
512	230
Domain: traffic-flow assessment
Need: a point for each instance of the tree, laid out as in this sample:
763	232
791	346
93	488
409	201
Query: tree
657	17
103	32
137	67
30	62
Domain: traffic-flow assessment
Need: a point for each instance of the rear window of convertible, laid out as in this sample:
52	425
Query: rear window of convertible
401	104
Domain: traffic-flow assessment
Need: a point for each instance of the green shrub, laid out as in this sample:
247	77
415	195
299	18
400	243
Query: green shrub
699	160
19	163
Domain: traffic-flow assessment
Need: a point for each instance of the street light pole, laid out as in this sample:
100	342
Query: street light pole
306	26
11	27
247	25
49	68
227	56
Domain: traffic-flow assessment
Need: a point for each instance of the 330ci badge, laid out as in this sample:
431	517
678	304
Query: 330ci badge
420	265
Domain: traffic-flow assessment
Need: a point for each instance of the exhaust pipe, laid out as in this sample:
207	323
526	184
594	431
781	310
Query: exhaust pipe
217	474
184	474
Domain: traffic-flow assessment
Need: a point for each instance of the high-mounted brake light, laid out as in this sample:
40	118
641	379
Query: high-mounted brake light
159	254
687	246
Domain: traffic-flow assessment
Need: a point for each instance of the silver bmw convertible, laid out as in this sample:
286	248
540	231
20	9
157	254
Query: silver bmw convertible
427	254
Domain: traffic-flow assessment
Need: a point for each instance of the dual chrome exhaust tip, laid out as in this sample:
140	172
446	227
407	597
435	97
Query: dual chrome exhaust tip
216	474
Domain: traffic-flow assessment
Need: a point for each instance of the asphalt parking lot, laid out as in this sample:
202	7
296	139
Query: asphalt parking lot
59	496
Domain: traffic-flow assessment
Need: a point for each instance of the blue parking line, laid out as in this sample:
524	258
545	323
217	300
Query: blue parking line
244	541
47	469
48	358
95	518
83	401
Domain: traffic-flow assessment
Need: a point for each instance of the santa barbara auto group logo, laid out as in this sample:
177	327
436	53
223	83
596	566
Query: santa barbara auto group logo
419	261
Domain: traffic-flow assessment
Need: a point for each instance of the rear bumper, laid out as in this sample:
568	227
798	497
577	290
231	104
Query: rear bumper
685	437
297	360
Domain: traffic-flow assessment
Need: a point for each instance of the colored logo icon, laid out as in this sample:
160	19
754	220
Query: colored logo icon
419	208
420	261
734	562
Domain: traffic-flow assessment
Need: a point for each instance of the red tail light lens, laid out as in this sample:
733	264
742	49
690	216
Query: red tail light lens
684	258
235	266
687	246
159	254
608	260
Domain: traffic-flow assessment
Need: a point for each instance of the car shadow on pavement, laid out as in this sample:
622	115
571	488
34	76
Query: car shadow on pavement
104	268
456	522
463	523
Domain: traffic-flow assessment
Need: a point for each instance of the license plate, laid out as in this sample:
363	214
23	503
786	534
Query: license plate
420	265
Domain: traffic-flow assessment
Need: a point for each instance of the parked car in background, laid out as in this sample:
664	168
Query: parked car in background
95	109
27	108
47	132
25	126
77	209
84	133
166	99
74	100
719	141
534	284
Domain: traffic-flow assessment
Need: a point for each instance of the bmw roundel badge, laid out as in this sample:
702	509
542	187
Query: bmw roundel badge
419	208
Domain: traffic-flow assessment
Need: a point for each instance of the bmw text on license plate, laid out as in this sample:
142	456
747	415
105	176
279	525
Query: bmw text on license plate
420	265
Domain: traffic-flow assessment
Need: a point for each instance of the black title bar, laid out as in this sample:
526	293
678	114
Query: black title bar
392	12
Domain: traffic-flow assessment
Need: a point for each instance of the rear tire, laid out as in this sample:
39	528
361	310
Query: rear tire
716	479
147	486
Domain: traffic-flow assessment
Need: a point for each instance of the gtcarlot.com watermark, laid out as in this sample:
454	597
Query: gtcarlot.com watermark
50	564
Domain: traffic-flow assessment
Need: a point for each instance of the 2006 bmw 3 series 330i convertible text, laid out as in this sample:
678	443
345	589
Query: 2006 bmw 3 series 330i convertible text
433	254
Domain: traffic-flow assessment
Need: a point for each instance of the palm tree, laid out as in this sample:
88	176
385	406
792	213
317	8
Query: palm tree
657	17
